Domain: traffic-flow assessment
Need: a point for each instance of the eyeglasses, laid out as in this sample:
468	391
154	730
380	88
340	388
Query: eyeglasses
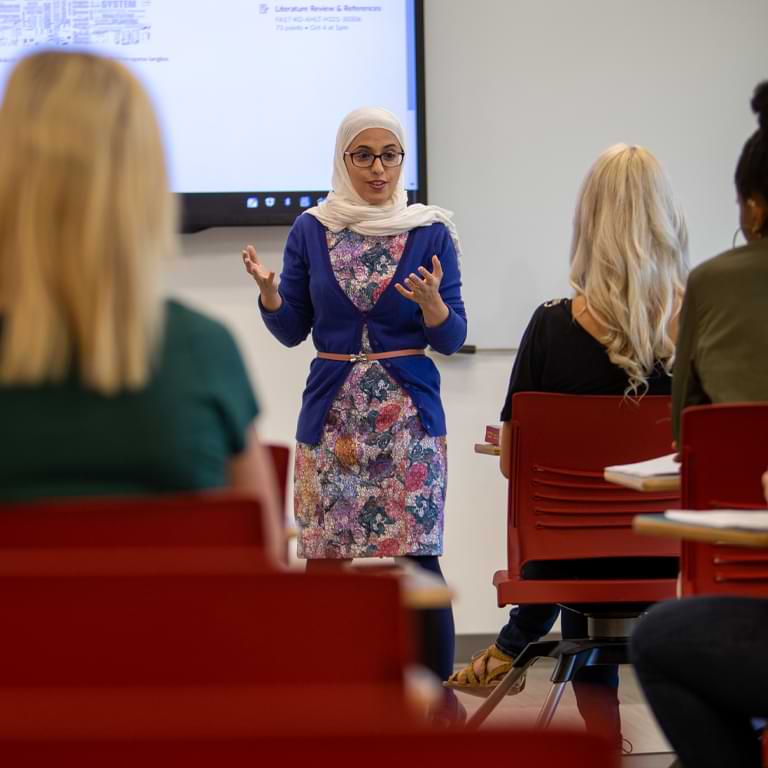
362	158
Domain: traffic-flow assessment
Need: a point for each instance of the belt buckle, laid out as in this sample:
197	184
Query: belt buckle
358	357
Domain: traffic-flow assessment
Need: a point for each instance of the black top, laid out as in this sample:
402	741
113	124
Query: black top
558	355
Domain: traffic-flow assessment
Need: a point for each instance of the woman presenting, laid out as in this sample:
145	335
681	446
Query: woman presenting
375	281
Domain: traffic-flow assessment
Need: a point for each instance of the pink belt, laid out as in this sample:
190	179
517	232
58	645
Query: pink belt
363	357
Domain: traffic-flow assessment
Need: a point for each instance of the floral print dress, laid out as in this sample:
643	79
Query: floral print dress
375	484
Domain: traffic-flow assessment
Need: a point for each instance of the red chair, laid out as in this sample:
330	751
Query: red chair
765	749
207	519
132	561
561	508
724	454
532	749
214	519
281	457
200	655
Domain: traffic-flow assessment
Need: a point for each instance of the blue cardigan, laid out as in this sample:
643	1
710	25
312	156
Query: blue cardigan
314	300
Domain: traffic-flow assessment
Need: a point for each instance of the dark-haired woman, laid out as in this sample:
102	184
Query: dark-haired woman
722	347
701	661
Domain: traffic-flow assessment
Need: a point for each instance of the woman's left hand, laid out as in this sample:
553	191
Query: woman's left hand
425	291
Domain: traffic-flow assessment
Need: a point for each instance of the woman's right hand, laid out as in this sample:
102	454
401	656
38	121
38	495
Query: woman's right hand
270	297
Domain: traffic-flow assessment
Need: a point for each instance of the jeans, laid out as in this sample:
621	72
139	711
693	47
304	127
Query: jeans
596	687
702	665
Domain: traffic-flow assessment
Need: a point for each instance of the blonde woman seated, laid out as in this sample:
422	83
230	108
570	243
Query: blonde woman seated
104	387
616	336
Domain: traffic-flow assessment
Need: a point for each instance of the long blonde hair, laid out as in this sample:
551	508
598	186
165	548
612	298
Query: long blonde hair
85	218
629	259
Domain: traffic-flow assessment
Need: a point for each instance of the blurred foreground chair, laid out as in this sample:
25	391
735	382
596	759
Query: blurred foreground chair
281	458
382	749
211	519
205	519
208	656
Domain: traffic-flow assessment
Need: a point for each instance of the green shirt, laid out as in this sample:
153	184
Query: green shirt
722	347
178	433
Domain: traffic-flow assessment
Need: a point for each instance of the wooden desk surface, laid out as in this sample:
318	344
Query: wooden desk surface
658	525
488	449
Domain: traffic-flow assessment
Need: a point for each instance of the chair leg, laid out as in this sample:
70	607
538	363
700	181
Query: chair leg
571	656
550	705
574	657
521	663
498	693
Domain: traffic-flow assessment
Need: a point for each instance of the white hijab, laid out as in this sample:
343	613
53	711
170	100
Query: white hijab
345	209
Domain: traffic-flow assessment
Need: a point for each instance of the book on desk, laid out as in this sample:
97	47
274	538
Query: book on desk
740	519
659	474
492	439
739	527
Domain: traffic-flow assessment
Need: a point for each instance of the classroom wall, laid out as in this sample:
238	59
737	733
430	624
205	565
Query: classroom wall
521	75
522	95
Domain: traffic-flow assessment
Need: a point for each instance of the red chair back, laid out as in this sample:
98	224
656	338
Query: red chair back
215	519
724	454
281	457
200	656
765	749
286	629
559	505
533	749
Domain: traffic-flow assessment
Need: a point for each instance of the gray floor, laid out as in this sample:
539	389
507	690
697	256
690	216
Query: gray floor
649	747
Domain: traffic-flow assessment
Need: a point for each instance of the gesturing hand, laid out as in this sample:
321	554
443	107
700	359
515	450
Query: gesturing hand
425	291
264	278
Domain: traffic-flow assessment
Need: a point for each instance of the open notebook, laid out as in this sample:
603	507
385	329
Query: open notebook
746	520
660	474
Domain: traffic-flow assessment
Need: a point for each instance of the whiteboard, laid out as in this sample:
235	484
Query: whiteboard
522	95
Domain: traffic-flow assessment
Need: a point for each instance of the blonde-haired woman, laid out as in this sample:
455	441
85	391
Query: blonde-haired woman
615	336
105	388
629	263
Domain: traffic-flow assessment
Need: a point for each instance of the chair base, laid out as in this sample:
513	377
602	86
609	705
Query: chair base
612	627
608	644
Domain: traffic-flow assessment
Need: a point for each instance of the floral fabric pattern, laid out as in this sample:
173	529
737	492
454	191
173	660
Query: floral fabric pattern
375	485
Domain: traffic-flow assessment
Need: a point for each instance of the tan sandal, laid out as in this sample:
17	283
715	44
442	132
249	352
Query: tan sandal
468	681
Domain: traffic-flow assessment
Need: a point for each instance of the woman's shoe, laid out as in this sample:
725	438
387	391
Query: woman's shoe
481	682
